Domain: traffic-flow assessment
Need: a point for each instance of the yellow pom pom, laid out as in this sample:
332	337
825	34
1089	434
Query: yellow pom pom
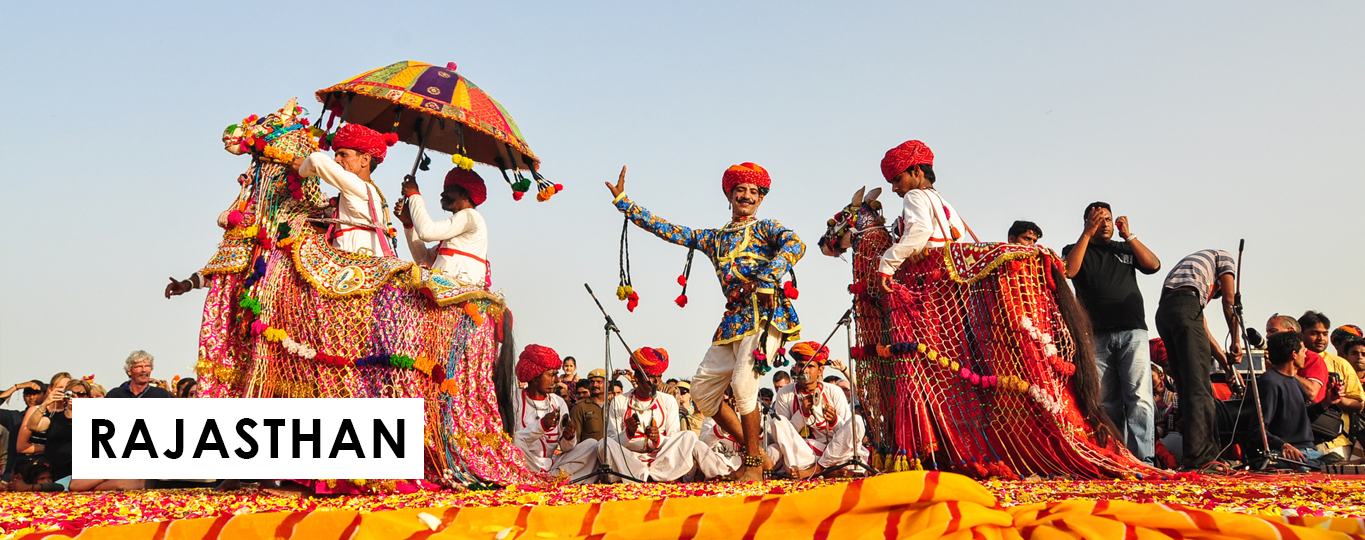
943	362
622	293
955	366
923	348
933	355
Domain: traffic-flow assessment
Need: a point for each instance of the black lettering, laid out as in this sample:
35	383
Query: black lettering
99	437
211	428
179	440
242	432
347	430
314	437
274	424
139	427
394	444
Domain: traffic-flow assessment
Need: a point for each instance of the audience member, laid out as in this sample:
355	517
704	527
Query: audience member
1191	284
688	416
1340	336
581	390
12	420
1025	232
587	415
781	378
30	444
138	366
1350	399
1287	427
184	388
1104	273
1354	353
765	398
1313	377
97	390
33	476
55	428
569	374
616	390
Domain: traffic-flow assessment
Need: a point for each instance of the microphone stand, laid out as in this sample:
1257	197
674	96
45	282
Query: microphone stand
1254	390
604	470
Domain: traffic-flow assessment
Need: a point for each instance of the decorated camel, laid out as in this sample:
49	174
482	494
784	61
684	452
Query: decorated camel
978	361
288	315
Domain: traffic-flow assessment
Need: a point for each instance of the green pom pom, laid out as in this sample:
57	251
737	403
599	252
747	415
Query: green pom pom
522	185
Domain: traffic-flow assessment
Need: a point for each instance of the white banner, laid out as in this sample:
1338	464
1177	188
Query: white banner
173	439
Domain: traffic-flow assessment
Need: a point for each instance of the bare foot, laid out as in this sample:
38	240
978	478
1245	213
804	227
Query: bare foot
749	474
809	472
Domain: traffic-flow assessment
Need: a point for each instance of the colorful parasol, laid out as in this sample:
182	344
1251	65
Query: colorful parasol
436	108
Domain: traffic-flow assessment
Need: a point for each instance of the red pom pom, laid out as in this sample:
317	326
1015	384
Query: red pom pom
304	122
681	300
390	139
634	296
517	195
859	288
559	188
632	302
323	144
682	280
450	66
790	291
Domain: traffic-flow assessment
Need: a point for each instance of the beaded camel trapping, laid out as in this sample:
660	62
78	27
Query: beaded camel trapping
287	315
977	361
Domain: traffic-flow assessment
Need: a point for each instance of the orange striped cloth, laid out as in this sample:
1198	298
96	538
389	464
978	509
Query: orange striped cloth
900	505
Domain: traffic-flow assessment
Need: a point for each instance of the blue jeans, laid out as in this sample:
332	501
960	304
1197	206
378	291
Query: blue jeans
1125	366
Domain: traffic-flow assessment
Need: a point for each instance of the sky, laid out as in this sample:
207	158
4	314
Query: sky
1204	123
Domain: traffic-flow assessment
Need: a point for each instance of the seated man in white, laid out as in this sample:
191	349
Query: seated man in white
542	424
643	436
362	215
818	408
461	249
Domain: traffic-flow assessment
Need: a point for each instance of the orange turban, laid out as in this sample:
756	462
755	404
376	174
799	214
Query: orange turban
745	173
652	361
810	351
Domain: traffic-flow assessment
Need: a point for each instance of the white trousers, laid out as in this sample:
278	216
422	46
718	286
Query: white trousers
580	460
796	452
677	456
731	365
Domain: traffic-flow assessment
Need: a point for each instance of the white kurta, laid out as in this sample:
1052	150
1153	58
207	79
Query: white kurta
724	454
922	224
674	455
828	445
539	444
457	238
353	205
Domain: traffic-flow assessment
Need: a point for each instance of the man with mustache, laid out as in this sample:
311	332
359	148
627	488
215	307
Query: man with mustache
461	248
751	256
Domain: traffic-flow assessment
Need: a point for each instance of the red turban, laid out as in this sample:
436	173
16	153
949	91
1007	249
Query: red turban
1157	350
471	182
536	360
908	154
810	351
362	139
652	361
745	173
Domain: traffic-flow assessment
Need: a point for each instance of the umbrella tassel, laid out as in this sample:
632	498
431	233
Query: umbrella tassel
502	168
461	156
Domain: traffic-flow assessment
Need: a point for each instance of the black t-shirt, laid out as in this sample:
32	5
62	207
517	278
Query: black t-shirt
58	449
148	392
1286	414
11	420
1107	286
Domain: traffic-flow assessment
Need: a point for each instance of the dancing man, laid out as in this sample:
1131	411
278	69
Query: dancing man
542	418
461	248
822	409
644	439
750	256
927	220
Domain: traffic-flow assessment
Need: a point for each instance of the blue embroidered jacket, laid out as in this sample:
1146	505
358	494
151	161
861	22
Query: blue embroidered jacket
750	256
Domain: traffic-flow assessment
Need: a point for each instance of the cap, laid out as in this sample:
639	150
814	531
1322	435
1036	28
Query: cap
597	373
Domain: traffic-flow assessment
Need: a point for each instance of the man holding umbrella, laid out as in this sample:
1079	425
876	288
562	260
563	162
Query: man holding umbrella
751	256
461	248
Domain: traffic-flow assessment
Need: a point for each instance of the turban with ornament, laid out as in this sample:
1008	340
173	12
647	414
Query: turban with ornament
652	361
535	360
365	140
745	173
908	154
471	182
810	351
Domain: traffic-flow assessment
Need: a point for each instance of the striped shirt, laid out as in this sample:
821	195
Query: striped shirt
1200	271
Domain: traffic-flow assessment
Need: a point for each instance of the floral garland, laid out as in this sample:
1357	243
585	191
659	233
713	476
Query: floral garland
903	349
1050	357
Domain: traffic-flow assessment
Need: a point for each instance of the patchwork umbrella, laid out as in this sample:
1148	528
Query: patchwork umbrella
437	108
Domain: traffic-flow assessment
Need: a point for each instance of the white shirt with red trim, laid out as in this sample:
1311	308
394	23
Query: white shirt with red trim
922	225
537	443
789	403
354	205
662	410
461	249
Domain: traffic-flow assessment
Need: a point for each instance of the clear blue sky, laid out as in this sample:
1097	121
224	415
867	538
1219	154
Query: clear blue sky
1203	123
